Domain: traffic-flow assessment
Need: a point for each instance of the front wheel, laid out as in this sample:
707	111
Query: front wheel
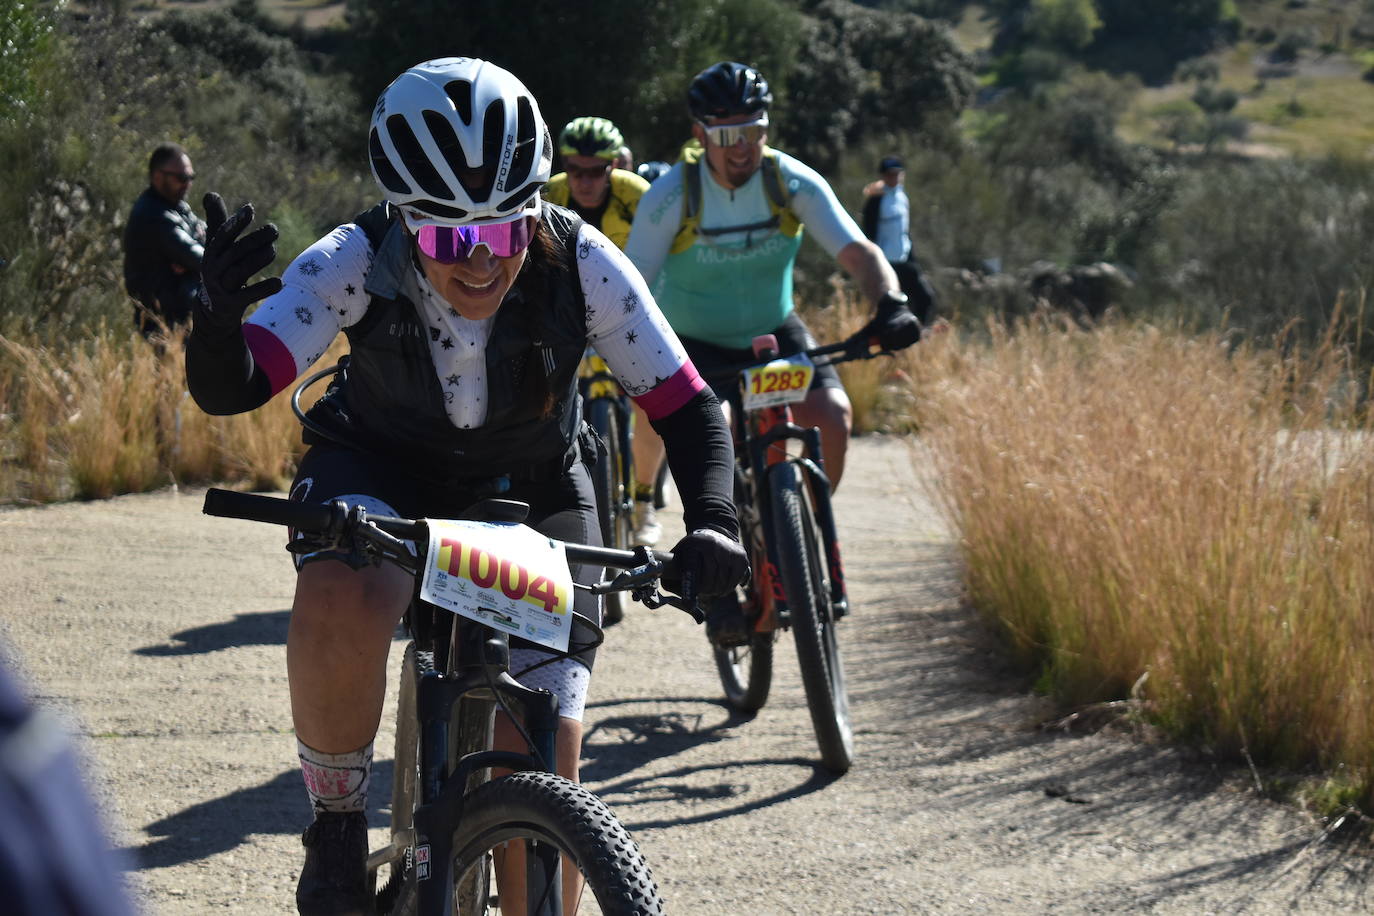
514	814
806	583
746	672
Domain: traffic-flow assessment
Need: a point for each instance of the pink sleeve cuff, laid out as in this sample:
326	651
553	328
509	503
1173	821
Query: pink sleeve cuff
271	354
668	396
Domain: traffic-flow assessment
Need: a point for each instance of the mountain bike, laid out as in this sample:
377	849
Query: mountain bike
477	583
787	524
607	411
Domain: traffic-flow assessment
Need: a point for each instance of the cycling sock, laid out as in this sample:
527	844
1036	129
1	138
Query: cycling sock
644	492
336	782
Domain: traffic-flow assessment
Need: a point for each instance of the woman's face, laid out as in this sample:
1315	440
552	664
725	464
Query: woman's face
475	285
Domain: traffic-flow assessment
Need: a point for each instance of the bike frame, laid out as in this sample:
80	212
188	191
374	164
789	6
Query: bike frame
449	768
451	760
595	381
761	437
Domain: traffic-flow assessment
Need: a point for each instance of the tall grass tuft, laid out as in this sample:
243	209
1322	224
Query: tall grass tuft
1180	518
876	388
111	415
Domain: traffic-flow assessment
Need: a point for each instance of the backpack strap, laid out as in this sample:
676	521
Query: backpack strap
774	189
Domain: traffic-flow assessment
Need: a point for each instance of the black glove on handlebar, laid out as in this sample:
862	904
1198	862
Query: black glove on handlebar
229	263
894	325
710	564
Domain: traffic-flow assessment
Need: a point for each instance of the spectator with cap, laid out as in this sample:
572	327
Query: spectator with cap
886	219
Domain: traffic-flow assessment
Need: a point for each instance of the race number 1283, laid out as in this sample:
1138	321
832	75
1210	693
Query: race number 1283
782	381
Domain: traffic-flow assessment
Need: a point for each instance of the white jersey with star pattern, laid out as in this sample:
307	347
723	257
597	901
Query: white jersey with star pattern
322	293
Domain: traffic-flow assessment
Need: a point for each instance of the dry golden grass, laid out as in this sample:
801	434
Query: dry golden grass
1172	517
111	415
877	388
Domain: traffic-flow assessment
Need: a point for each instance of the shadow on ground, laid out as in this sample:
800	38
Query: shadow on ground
279	806
264	628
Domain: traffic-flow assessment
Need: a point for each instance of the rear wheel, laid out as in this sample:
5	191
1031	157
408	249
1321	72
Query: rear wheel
806	583
613	504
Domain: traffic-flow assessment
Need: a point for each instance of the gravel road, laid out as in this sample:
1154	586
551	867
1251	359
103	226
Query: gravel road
159	634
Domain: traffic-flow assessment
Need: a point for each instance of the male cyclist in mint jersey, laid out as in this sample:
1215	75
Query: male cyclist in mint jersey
716	239
590	185
467	302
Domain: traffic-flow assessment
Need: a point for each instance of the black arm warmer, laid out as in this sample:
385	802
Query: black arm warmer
702	458
221	374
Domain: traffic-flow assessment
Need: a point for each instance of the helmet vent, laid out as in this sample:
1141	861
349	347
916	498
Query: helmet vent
434	208
460	94
413	157
386	174
523	160
447	141
519	197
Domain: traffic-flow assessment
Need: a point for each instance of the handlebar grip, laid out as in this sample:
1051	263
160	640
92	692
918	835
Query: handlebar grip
271	509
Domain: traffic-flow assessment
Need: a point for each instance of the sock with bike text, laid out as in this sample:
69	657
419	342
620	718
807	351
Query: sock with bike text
336	782
644	492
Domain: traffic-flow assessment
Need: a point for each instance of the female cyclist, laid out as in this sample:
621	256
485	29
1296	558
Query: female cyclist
467	302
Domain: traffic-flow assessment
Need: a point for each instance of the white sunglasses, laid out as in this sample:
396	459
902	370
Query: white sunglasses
730	134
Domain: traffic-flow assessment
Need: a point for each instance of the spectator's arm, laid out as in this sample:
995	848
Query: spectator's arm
177	244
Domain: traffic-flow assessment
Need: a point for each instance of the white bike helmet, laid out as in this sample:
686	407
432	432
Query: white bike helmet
457	140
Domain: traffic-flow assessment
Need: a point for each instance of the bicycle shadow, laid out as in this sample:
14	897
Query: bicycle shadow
681	785
263	628
221	824
621	744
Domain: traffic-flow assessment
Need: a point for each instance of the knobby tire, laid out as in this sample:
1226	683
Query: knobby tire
550	809
806	583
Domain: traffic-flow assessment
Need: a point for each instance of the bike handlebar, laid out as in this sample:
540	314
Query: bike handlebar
331	521
857	347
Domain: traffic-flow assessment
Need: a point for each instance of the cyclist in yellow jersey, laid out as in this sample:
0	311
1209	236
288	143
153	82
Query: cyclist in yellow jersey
590	184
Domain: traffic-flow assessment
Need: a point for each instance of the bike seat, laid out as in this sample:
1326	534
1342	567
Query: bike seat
498	510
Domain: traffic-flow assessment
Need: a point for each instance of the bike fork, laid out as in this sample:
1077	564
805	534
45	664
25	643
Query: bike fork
830	539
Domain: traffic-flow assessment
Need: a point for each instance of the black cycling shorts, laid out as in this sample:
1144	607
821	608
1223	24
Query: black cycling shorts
710	360
563	508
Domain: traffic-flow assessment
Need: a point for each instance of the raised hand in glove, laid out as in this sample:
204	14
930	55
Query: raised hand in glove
229	263
710	563
894	325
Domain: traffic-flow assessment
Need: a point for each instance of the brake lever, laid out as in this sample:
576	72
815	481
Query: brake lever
650	596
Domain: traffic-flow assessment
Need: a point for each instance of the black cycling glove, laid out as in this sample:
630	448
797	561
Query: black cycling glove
894	325
709	563
229	263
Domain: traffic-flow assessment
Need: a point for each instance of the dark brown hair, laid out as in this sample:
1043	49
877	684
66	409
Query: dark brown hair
164	154
549	261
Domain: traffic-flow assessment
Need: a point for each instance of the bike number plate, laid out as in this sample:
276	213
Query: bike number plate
783	381
509	577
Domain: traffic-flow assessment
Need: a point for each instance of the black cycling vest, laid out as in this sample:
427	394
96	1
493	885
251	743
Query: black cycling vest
389	399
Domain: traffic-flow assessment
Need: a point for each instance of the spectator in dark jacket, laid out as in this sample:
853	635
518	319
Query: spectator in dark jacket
886	218
163	244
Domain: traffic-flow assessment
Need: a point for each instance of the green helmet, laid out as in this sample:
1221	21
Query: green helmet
589	136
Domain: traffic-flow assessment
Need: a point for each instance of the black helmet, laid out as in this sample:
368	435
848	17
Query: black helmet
653	170
728	88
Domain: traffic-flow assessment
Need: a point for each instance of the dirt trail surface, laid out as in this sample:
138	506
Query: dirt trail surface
160	634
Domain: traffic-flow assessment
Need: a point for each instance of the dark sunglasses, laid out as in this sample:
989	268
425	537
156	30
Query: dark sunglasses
594	171
183	177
